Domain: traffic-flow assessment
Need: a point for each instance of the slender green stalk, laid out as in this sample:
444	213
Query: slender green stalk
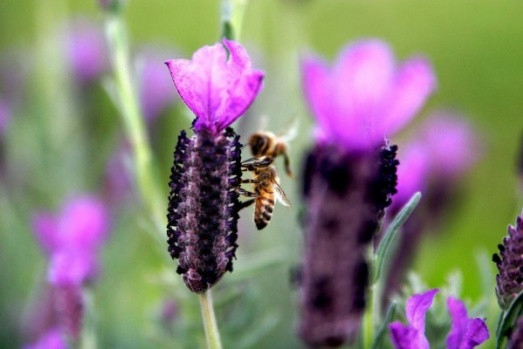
127	102
232	14
212	335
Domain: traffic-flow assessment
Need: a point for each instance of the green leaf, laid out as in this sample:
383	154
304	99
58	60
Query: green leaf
380	334
383	252
508	320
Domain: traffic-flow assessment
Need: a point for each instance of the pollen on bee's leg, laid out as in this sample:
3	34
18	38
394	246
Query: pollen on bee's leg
203	206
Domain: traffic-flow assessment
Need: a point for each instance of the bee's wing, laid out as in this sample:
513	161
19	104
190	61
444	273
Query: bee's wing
280	195
291	131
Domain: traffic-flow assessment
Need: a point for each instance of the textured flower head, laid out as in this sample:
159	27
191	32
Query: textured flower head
509	281
218	84
412	336
364	97
72	238
465	333
156	92
87	51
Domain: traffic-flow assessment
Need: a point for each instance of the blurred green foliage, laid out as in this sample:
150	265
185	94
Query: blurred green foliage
475	47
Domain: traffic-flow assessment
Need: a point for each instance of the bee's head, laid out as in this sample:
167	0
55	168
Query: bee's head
259	143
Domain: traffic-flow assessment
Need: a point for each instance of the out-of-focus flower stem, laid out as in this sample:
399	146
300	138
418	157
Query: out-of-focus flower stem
127	98
212	335
231	19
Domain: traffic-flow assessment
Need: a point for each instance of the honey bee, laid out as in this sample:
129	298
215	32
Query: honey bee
266	190
265	144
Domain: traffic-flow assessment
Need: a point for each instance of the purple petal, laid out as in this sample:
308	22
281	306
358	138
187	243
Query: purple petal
417	306
407	337
413	84
84	223
465	333
46	230
72	268
217	90
53	339
316	86
452	143
362	78
156	92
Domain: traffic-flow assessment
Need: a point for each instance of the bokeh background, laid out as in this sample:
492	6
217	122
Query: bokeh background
62	134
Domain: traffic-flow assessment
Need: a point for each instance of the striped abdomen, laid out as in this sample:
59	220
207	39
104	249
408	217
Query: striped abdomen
264	207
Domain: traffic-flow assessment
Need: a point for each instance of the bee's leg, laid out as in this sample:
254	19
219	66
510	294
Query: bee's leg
250	181
246	203
257	162
246	193
287	164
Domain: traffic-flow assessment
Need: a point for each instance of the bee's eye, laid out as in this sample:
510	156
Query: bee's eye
257	145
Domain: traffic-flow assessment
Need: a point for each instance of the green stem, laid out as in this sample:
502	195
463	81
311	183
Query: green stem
212	335
232	13
133	120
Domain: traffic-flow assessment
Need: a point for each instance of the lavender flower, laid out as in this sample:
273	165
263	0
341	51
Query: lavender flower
156	92
516	338
72	240
509	281
87	51
350	175
203	202
465	333
433	163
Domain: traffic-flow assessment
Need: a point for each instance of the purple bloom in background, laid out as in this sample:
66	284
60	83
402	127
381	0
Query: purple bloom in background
433	163
87	51
412	336
53	339
118	177
156	90
72	239
350	175
218	85
5	116
465	333
364	97
516	338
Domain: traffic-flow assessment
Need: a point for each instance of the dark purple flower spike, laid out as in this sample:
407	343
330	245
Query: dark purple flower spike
509	281
349	177
203	202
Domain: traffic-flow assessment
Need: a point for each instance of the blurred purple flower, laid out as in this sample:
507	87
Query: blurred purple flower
350	176
5	116
466	333
53	339
412	173
87	51
217	89
364	97
412	336
203	202
156	91
72	239
118	178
